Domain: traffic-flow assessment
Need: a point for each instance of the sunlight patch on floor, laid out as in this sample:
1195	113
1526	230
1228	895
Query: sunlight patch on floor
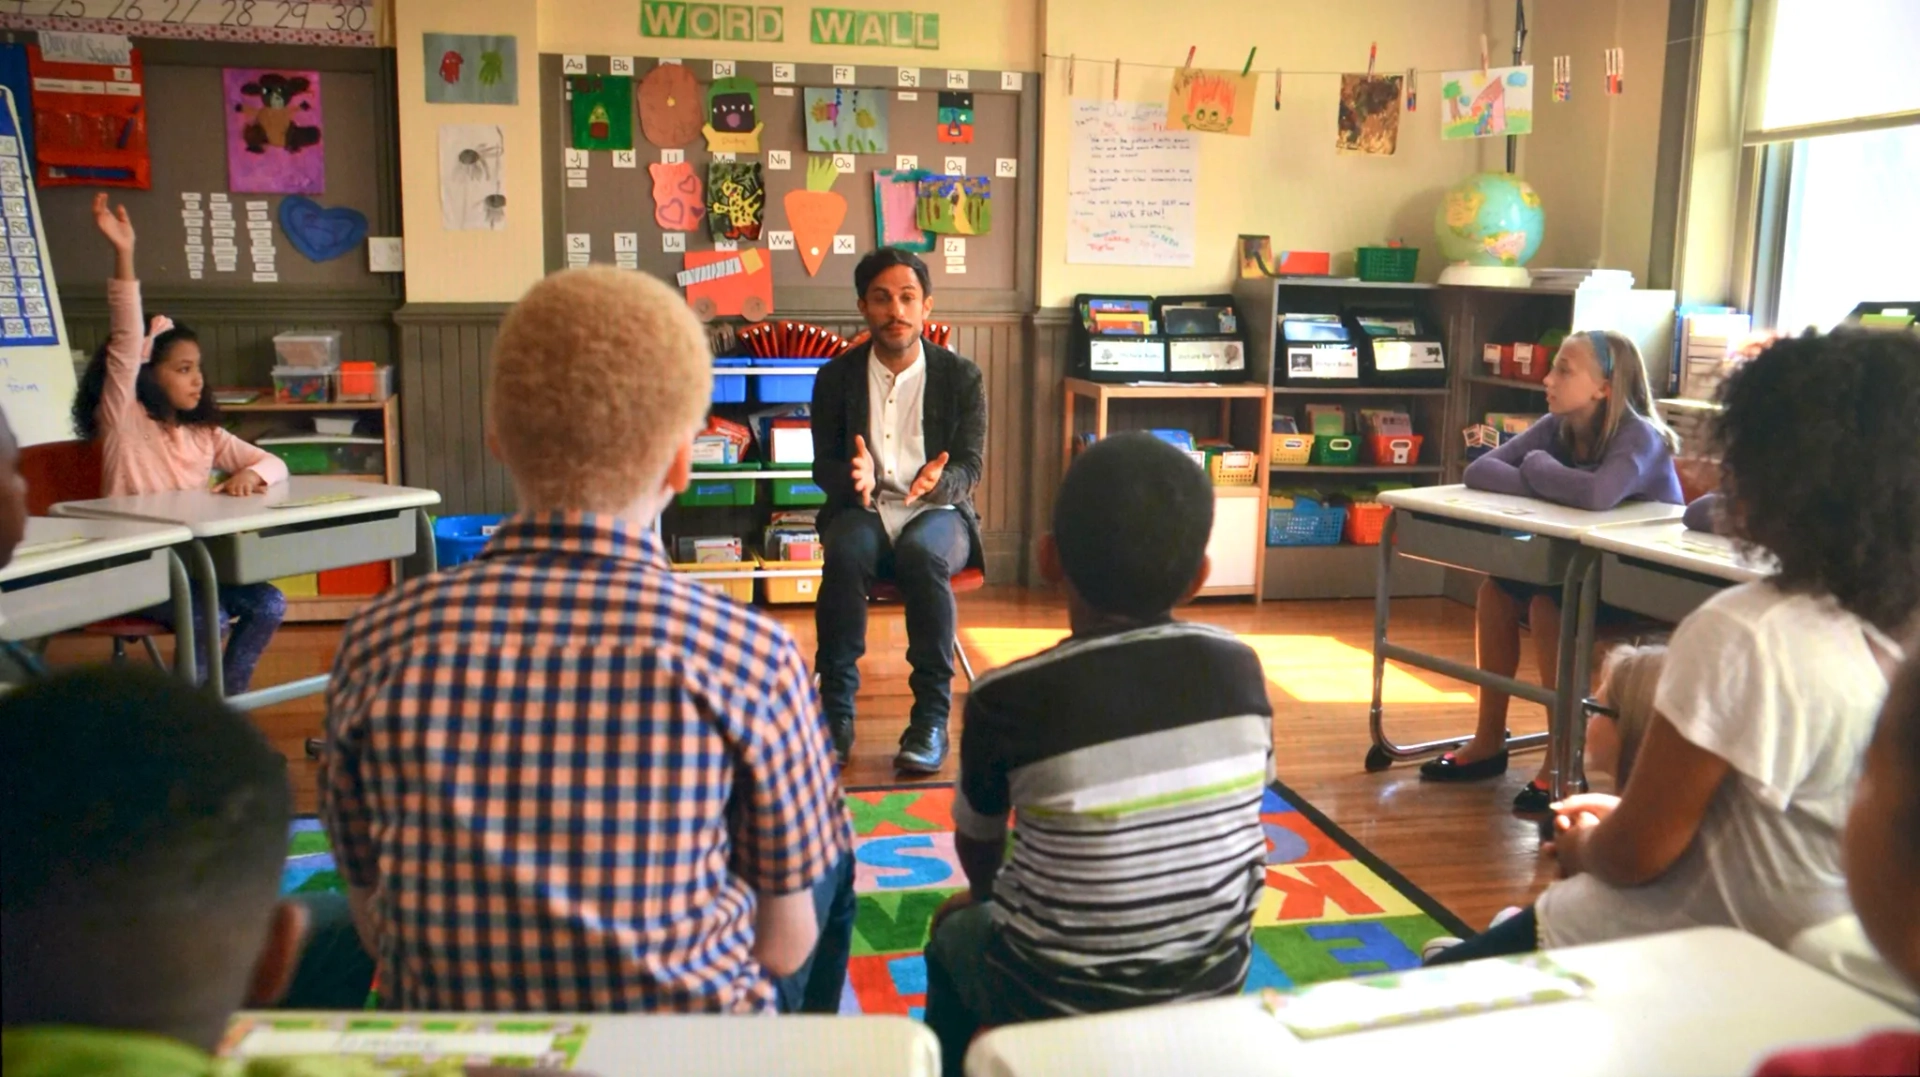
1311	669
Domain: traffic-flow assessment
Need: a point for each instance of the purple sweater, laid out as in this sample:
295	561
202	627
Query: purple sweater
1636	465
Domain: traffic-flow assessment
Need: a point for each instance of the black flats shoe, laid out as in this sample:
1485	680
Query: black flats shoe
1533	798
923	748
1447	769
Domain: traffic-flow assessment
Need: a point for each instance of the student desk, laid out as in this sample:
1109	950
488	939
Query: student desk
302	525
70	573
1702	1001
1664	570
1519	538
620	1044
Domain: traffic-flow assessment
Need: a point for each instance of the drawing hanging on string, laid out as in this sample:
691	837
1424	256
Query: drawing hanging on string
1486	104
473	177
733	108
956	118
956	205
601	107
896	204
679	200
846	120
1369	114
736	200
1212	102
671	106
472	69
274	126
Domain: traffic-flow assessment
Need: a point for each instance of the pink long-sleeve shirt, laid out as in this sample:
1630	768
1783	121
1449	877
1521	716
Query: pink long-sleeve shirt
142	456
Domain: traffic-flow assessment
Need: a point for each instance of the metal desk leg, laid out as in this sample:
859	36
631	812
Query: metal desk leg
1377	756
181	592
426	559
209	583
1579	607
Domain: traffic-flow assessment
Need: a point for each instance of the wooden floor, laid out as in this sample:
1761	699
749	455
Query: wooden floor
1460	843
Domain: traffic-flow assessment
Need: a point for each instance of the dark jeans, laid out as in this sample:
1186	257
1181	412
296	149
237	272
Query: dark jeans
335	971
1517	934
961	996
816	987
932	547
257	610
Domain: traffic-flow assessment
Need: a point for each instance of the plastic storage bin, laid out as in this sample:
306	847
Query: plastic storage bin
1394	449
1396	264
368	579
1291	450
459	539
372	385
740	590
1336	452
308	347
1305	524
305	585
729	388
302	384
791	590
1233	467
795	388
706	490
1365	519
797	492
303	458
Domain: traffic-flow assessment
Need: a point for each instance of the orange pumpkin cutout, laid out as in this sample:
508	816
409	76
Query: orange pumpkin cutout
672	108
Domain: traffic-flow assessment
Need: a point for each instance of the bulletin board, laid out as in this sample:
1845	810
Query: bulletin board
613	194
187	138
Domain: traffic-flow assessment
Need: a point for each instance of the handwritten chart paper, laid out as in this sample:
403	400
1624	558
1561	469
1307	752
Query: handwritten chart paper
1130	187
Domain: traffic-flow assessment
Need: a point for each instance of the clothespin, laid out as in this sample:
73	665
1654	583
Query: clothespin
1373	51
1116	78
1191	49
1413	92
1483	54
1248	66
1276	89
1072	62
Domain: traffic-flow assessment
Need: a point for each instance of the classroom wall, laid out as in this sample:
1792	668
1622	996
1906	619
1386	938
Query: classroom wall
469	267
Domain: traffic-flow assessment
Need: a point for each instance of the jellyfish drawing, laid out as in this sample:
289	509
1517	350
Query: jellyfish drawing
493	209
472	163
477	162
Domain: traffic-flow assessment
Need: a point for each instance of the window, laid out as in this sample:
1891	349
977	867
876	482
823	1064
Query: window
1852	226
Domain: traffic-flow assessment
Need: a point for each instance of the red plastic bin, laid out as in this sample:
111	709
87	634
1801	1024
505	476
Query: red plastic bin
1365	521
1394	449
368	579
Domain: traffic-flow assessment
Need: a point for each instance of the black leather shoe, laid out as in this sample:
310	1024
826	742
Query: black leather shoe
841	730
923	748
1447	769
1532	798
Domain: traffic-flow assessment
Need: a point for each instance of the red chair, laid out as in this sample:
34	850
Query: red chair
967	579
59	471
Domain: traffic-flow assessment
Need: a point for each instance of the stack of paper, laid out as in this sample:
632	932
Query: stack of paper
1706	342
1571	279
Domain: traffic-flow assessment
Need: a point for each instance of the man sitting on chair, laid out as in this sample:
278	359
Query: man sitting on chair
899	433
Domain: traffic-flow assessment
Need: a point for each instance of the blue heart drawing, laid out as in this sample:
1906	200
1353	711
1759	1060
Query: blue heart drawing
319	233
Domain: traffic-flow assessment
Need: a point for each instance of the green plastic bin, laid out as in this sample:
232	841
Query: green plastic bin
797	492
1336	451
704	491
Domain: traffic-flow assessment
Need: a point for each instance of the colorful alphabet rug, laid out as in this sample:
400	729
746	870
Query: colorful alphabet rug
1331	910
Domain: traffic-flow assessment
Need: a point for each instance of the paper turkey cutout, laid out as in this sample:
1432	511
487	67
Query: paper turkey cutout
672	108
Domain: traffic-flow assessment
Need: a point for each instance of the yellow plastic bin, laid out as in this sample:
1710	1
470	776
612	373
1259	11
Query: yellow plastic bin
305	585
792	590
740	590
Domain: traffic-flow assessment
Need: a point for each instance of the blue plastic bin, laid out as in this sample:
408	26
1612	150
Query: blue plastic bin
794	388
730	388
459	539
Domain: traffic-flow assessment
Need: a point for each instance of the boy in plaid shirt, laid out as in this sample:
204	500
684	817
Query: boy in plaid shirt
559	778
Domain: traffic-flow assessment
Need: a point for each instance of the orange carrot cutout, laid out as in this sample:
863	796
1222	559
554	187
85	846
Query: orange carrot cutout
815	213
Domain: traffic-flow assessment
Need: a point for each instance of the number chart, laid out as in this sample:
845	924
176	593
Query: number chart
298	22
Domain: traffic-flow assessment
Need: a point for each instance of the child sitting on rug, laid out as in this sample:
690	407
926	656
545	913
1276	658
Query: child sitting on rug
1602	445
139	878
1135	755
1732	813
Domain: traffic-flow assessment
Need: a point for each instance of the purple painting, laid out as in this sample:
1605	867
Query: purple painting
273	132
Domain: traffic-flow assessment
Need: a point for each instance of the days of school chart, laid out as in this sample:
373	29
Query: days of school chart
26	311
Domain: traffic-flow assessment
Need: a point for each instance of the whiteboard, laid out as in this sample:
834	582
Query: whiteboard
36	364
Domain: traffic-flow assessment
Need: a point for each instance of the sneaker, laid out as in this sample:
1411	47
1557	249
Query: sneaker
1437	946
1504	915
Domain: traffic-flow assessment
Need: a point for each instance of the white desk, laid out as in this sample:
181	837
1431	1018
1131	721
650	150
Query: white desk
1705	1001
70	573
1518	538
1665	570
302	525
619	1045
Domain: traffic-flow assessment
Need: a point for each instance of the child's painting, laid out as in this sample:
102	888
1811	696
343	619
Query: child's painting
896	206
273	132
678	197
602	108
814	213
472	69
956	205
845	120
472	177
1369	114
736	200
733	107
956	118
670	106
1212	102
1486	104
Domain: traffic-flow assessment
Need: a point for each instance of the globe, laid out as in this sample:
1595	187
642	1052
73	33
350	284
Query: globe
1491	219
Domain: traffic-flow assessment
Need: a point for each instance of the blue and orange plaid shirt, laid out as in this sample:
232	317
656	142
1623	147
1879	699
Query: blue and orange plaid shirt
564	774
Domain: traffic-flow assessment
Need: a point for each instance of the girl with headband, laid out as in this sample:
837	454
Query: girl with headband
1601	444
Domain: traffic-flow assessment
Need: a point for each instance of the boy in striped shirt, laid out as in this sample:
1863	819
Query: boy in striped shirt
1134	753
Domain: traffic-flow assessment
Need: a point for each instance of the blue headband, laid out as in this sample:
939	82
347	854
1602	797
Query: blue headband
1601	351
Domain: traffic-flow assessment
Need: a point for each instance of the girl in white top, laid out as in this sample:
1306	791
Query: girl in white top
1732	812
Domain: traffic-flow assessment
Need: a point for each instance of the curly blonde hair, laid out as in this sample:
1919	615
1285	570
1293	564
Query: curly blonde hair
599	376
